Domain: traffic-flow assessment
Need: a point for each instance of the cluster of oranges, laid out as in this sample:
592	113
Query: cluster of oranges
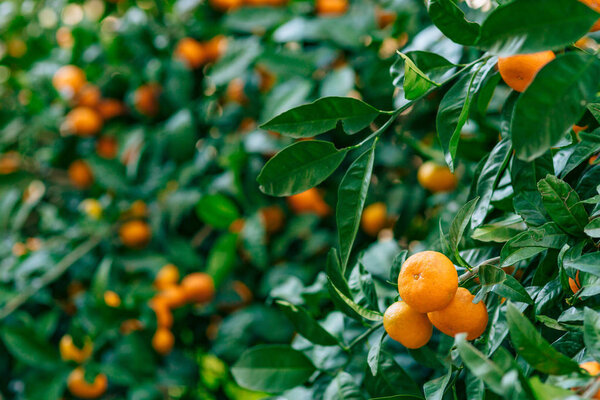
196	287
230	5
430	296
76	382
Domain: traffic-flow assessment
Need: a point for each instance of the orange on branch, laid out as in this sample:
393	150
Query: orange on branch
436	178
135	234
79	387
80	174
70	352
374	218
461	316
163	341
69	80
309	201
83	121
199	287
518	71
191	52
406	325
167	276
145	99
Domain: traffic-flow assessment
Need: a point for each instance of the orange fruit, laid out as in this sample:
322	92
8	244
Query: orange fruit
107	147
436	178
309	201
198	287
173	296
145	99
16	48
110	108
427	281
9	162
135	234
235	91
575	284
374	218
69	80
190	52
226	5
138	209
237	225
461	316
592	368
164	316
83	121
167	276
594	5
519	70
215	47
407	326
273	218
80	174
70	352
88	96
266	79
384	17
163	341
112	299
79	387
331	7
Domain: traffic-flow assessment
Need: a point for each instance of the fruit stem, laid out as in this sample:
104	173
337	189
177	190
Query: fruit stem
364	335
469	274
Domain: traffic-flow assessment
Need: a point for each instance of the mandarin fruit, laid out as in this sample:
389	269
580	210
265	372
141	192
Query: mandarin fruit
518	71
461	316
406	325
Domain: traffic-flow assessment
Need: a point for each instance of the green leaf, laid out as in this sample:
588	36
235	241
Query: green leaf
416	82
343	387
397	265
523	26
489	178
563	205
306	325
336	276
512	289
272	368
479	365
544	391
323	115
25	344
530	345
240	54
375	350
351	200
591	332
553	102
589	145
363	312
500	231
391	380
291	93
450	19
299	167
217	210
435	388
101	277
592	229
588	262
532	242
459	224
454	108
435	67
222	258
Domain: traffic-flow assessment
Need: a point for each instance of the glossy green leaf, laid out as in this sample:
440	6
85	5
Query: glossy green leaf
592	229
391	380
589	145
454	108
479	365
363	312
306	325
591	332
450	19
25	344
530	345
522	26
272	368
553	102
222	258
323	115
416	82
544	391
343	387
532	242
500	231
217	210
352	193
588	262
335	275
459	224
375	346
489	178
435	68
512	289
299	167
562	204
435	388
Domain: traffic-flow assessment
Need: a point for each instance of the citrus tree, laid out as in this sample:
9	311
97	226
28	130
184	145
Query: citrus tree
498	298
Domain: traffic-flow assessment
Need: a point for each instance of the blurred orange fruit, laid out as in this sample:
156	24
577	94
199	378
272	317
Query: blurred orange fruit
9	162
70	352
215	47
163	341
79	387
436	178
407	326
273	218
69	80
110	108
235	91
167	276
190	52
107	147
145	99
83	121
225	5
331	7
173	296
80	174
427	281
374	218
198	287
88	96
135	234
461	316
519	71
112	299
309	201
